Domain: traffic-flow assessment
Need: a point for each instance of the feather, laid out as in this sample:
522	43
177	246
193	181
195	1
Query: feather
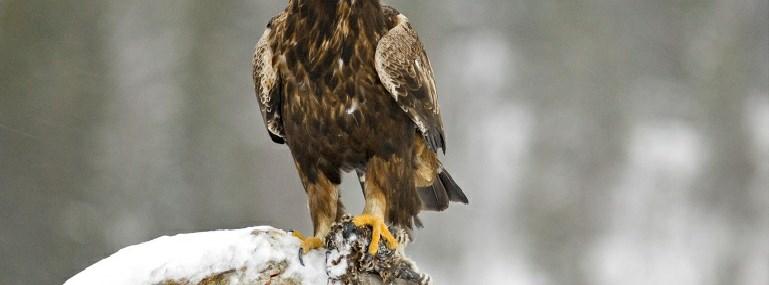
452	189
434	198
443	190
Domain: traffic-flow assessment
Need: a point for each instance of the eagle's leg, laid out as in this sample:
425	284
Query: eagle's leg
323	197
375	209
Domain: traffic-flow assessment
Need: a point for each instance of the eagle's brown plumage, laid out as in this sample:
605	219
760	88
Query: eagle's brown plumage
347	86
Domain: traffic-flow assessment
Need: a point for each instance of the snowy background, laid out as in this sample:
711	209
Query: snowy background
600	142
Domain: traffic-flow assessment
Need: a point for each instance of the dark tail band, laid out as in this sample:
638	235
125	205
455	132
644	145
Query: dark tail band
443	190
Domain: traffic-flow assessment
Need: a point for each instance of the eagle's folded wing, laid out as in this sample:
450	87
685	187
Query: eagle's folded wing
266	83
405	71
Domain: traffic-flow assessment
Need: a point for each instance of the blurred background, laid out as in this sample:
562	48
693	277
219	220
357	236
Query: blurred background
600	142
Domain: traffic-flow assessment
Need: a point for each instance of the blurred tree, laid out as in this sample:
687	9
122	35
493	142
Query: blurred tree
52	84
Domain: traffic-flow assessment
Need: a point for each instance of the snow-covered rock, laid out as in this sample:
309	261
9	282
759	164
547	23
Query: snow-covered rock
245	256
256	255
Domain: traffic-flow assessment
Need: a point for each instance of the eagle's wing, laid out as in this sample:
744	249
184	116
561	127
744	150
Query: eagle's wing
266	83
405	71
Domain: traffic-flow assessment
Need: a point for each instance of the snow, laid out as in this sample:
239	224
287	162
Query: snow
195	256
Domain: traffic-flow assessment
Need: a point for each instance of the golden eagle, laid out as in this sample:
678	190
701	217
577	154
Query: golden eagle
348	86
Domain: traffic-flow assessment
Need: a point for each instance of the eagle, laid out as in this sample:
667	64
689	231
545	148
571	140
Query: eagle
347	85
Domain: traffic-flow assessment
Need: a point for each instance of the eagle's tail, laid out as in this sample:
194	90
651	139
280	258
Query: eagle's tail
443	190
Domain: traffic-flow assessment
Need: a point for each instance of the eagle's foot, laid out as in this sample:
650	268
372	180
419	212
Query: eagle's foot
308	243
378	230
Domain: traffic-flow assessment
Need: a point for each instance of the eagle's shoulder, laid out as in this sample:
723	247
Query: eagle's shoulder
277	20
391	16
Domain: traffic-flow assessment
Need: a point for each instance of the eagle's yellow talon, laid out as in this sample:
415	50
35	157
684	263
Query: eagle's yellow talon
308	243
378	230
297	234
311	243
